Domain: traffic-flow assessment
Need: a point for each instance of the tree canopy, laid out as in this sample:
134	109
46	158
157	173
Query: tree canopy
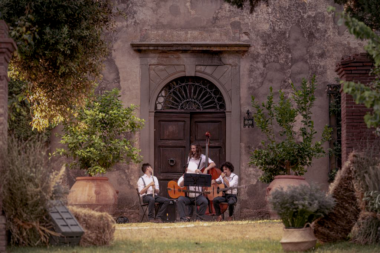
60	52
366	11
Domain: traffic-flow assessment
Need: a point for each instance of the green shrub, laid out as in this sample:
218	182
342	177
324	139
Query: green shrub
99	136
372	200
27	182
299	205
285	149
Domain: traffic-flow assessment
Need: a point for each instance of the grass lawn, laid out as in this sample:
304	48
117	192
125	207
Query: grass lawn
237	236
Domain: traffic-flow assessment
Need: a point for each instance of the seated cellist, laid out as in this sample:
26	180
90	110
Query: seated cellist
229	179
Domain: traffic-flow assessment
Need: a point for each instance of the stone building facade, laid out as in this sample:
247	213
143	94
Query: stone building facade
7	47
241	54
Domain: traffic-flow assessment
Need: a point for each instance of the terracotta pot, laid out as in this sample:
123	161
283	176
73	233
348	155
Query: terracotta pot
298	239
282	181
95	193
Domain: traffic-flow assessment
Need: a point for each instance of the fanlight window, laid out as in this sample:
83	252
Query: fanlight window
190	93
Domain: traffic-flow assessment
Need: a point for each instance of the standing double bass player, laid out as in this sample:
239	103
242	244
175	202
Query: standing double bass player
196	161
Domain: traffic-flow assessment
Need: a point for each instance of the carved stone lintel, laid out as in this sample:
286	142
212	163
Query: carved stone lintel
191	46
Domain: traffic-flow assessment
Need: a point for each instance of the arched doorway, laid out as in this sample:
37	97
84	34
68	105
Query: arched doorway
185	109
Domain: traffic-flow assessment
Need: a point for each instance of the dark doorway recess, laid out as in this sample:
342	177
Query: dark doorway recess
174	132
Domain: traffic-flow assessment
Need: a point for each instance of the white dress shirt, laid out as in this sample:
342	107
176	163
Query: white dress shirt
193	163
233	179
147	180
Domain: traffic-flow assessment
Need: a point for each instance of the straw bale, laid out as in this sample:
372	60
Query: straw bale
337	225
99	227
366	229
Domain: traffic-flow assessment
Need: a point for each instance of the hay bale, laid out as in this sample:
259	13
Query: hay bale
99	227
337	225
366	229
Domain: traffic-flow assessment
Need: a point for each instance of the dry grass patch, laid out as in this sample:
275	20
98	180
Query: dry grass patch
201	231
237	236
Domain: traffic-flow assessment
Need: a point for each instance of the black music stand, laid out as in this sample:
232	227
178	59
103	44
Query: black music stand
197	180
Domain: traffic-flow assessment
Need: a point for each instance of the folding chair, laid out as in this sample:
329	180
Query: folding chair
145	206
224	208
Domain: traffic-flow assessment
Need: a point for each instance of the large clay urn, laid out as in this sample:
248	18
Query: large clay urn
283	181
95	193
298	239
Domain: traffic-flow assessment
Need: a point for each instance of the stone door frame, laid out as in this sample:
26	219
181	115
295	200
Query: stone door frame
217	62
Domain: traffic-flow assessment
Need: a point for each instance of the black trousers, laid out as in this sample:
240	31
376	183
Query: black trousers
164	202
231	199
183	202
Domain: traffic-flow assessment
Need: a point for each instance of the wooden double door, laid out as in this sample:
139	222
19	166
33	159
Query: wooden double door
173	135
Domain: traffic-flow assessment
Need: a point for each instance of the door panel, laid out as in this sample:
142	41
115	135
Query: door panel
172	139
215	124
171	159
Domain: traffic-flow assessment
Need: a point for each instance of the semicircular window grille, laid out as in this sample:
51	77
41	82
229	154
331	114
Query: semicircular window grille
190	93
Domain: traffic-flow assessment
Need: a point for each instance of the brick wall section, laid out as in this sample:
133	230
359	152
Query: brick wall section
7	46
355	68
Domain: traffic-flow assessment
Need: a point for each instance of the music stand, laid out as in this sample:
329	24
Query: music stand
197	180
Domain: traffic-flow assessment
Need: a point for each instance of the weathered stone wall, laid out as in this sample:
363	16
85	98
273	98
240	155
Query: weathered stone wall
7	46
290	40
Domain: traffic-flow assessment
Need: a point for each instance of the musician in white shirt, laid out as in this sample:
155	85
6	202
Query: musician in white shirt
146	185
197	161
229	179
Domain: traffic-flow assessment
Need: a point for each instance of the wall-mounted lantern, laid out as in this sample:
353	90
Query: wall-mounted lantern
248	120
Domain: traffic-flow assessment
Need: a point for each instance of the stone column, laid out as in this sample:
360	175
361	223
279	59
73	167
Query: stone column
7	46
355	68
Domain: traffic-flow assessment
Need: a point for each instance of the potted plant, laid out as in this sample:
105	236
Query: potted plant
289	146
298	206
96	138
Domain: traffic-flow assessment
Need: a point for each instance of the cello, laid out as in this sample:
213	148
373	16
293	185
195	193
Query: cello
214	172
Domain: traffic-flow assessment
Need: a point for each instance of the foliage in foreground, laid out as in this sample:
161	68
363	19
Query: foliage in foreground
20	114
287	149
368	94
27	187
366	11
60	51
100	135
299	205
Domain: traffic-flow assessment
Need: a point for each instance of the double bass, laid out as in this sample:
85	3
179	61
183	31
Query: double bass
214	172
